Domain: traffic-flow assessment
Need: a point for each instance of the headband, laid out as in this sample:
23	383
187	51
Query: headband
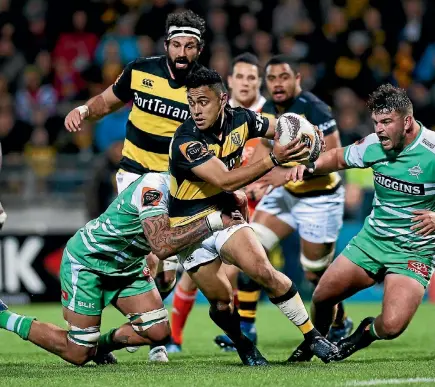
175	31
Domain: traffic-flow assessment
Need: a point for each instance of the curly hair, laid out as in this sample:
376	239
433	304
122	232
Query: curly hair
186	18
387	99
205	77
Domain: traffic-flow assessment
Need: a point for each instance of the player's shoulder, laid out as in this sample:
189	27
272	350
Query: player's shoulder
314	105
187	131
153	64
428	139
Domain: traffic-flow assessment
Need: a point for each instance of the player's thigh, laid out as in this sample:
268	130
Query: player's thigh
212	280
186	282
342	279
402	297
232	272
274	212
82	290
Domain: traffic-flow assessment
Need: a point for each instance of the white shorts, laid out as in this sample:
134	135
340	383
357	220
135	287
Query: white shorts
318	219
124	179
208	250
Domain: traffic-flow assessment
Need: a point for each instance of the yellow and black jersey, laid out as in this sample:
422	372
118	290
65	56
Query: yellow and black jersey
318	113
191	197
159	106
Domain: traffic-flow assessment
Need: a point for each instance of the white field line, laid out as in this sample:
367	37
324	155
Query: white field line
380	382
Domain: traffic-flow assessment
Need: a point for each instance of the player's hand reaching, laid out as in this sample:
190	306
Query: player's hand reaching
424	222
255	191
232	219
293	151
74	119
241	203
275	178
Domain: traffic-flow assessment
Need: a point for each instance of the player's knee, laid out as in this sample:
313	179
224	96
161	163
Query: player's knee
265	235
160	333
393	326
81	344
314	268
143	322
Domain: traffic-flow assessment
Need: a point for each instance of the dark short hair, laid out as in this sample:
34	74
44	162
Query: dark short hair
205	77
388	98
283	59
186	18
246	57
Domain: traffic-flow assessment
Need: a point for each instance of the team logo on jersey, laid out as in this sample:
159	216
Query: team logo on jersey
193	150
419	268
415	170
147	83
150	196
399	185
236	139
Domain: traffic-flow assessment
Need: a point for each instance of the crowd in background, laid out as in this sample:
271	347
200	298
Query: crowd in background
56	53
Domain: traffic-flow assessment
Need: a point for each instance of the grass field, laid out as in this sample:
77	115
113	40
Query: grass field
409	359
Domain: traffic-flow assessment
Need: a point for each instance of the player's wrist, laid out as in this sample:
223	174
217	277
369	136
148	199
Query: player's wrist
83	110
214	221
310	169
274	159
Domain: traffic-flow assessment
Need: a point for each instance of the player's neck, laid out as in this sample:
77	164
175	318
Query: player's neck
413	133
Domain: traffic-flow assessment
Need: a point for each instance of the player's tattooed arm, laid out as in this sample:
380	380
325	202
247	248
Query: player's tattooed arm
165	240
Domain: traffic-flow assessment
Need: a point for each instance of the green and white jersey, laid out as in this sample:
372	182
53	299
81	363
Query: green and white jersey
114	243
404	182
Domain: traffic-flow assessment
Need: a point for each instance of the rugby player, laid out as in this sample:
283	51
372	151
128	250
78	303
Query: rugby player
103	264
397	242
314	207
204	156
156	86
244	83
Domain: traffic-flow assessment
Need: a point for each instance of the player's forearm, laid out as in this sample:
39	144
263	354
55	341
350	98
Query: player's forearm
330	161
98	108
166	241
240	177
261	151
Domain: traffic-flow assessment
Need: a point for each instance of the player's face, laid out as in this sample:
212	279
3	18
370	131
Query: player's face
205	106
182	53
391	129
244	83
281	82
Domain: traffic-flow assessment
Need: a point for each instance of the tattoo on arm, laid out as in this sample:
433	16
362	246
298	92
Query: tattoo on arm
166	241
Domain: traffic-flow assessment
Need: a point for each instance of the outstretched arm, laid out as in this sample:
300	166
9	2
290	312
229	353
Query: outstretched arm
94	109
165	240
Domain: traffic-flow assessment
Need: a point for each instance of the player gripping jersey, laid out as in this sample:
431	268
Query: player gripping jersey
103	264
397	241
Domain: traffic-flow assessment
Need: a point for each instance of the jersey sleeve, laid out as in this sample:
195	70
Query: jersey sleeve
151	195
187	153
257	124
322	117
355	154
122	86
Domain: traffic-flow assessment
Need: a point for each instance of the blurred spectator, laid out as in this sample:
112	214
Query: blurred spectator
248	27
145	46
124	37
425	70
359	194
14	134
288	17
102	188
45	67
33	96
12	62
78	46
403	65
262	45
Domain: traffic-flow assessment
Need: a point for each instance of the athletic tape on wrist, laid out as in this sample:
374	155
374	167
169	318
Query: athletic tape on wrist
83	110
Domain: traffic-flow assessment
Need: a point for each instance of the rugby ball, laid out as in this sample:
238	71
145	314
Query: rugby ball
291	125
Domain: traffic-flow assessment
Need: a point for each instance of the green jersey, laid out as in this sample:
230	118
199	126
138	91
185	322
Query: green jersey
404	182
114	243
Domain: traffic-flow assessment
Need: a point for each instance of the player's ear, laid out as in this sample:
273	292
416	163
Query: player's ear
166	45
408	123
224	99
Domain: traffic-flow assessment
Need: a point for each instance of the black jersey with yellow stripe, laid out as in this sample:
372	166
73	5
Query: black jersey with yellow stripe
159	106
318	113
191	197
